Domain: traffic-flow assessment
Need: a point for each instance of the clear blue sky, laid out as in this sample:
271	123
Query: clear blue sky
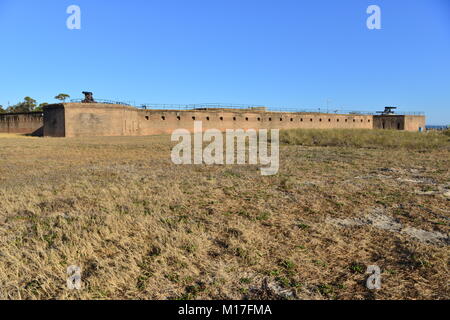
294	53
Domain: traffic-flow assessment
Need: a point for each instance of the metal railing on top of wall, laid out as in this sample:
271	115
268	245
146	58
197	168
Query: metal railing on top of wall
106	101
203	106
151	106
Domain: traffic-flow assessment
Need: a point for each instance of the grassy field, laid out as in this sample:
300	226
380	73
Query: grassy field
141	227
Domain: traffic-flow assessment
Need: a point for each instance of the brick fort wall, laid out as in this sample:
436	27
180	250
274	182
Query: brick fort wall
96	119
23	123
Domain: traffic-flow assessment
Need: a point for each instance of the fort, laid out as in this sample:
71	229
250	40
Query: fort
88	118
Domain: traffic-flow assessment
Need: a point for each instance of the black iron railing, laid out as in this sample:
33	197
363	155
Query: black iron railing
105	101
249	107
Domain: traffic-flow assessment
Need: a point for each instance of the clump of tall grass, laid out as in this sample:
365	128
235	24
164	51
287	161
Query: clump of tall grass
446	132
388	139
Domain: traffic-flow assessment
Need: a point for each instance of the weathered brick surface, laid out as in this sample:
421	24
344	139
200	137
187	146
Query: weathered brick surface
399	122
23	123
78	120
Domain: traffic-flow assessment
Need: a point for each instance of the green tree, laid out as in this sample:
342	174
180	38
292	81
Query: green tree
41	106
62	97
2	110
27	105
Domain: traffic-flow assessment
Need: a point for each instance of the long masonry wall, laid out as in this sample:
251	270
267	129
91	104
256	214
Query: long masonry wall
23	123
79	120
75	120
154	122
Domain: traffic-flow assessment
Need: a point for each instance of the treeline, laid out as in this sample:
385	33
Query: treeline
29	105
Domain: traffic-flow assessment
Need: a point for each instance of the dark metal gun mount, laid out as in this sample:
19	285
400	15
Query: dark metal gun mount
387	110
88	97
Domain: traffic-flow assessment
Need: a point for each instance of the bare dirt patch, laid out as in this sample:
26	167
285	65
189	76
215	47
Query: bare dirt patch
378	219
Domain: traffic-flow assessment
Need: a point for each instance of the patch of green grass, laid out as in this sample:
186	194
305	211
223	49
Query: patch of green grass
263	216
274	273
189	247
192	291
285	282
142	281
303	226
325	289
33	286
357	268
244	290
231	174
287	265
428	188
173	277
391	271
420	261
241	213
245	280
319	263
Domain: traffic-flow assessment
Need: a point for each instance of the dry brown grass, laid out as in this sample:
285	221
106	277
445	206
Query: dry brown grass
446	132
13	136
143	228
386	139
